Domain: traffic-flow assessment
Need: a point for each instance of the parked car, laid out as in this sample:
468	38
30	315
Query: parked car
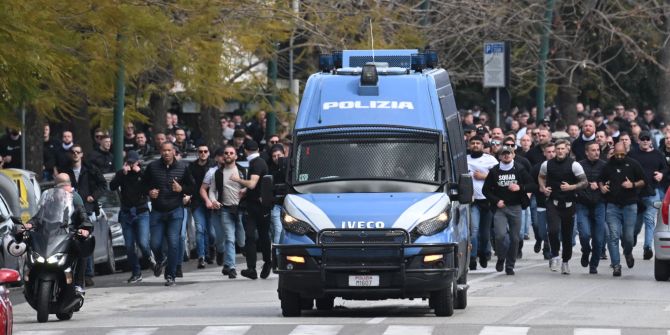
662	241
27	189
7	276
111	204
6	229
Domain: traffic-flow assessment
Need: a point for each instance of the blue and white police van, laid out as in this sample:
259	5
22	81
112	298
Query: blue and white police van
377	203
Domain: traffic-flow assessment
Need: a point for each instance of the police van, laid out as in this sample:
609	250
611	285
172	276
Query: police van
377	203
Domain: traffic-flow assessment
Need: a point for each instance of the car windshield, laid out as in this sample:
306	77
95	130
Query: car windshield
405	159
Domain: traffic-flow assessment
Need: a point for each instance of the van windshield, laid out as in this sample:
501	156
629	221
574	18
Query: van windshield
402	159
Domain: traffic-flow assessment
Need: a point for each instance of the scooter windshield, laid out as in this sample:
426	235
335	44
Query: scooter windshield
51	234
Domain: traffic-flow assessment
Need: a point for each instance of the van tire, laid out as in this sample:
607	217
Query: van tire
306	304
325	303
461	296
290	304
443	301
109	266
661	270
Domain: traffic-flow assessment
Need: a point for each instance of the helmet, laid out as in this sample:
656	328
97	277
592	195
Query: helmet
16	249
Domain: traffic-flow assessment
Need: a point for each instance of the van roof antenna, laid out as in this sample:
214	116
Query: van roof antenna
372	41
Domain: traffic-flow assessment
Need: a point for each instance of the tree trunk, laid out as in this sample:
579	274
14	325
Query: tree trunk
81	129
663	107
34	134
210	127
158	103
567	102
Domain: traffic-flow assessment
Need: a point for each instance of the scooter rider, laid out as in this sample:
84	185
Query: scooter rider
81	223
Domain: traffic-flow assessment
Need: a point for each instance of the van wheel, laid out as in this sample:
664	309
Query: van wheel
661	270
306	304
461	296
43	299
443	301
290	304
109	266
325	304
64	316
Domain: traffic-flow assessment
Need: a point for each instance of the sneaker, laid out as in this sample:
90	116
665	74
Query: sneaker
473	263
219	258
249	273
565	269
232	274
547	255
265	271
88	281
585	259
617	271
170	282
553	264
158	268
225	271
201	263
593	270
648	254
78	290
483	261
500	264
526	237
509	271
630	261
537	247
603	256
179	273
135	279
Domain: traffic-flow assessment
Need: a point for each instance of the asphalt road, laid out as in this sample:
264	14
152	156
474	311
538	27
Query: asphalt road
534	301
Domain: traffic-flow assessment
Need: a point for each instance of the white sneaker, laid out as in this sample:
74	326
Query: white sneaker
565	269
553	264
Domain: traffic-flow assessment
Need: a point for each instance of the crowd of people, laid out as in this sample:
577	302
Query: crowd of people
596	179
160	191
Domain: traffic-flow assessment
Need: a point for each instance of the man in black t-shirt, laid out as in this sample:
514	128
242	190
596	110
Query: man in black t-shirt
620	182
258	216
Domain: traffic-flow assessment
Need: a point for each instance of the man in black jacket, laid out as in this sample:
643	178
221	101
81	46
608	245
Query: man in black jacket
559	179
134	213
201	215
167	180
102	156
591	209
506	186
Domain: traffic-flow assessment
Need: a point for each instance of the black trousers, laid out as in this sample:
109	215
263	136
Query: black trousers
561	220
258	219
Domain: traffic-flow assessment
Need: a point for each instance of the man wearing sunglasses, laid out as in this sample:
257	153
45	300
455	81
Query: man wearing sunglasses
655	168
201	215
620	182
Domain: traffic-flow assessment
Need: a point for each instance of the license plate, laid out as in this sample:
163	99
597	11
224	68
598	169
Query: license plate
363	281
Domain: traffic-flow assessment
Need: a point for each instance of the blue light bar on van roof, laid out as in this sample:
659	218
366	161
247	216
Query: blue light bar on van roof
326	63
404	59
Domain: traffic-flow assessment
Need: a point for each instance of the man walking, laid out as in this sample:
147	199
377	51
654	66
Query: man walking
506	186
591	209
201	215
168	180
559	179
620	182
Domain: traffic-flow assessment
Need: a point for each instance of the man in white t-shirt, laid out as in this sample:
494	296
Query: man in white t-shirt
223	196
479	164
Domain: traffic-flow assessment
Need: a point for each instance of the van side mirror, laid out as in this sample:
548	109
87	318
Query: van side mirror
463	190
267	191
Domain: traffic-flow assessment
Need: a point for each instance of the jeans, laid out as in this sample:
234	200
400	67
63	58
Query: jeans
258	218
182	236
167	224
525	222
507	224
276	229
591	222
201	216
232	230
135	232
561	221
648	219
621	223
480	229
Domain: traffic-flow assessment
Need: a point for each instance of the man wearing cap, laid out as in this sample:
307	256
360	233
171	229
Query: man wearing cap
258	215
134	213
559	179
655	167
506	186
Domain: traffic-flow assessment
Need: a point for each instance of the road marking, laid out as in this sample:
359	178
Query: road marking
40	332
224	330
597	331
504	331
404	330
375	321
316	330
133	331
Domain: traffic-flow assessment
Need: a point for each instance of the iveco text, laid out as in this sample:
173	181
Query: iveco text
371	104
363	224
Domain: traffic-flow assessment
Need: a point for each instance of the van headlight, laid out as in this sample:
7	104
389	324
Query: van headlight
434	225
294	225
